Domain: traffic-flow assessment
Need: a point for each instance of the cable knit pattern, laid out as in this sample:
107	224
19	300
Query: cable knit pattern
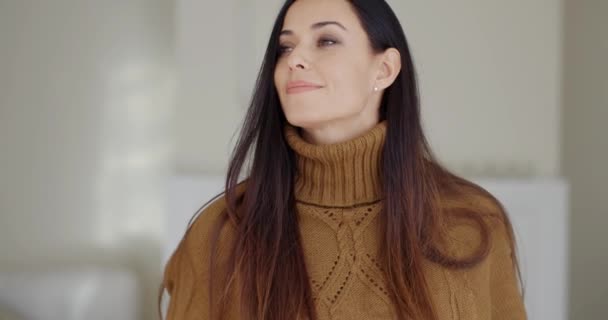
347	266
338	201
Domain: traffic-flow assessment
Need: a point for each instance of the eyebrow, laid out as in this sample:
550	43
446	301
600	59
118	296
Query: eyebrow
317	25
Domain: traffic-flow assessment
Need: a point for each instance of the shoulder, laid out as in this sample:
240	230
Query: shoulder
191	256
480	231
475	220
201	229
467	198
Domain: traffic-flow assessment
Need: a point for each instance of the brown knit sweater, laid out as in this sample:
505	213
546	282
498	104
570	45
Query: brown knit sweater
338	202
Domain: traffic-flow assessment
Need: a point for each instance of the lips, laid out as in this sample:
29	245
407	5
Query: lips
301	86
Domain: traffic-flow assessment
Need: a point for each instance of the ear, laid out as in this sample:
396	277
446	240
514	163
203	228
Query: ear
389	68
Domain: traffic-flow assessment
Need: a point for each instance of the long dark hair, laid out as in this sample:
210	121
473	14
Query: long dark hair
267	261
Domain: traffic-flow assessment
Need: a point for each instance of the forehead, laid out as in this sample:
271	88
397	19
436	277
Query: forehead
303	13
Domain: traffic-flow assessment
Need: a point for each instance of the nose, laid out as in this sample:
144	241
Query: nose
297	61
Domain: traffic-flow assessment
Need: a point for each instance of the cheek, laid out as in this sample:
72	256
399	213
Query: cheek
350	83
278	78
349	72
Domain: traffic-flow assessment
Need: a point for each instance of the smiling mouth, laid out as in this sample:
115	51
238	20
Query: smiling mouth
302	89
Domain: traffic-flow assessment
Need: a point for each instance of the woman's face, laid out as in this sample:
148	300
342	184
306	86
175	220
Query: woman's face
323	43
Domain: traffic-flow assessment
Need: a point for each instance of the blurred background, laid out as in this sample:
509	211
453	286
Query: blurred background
115	114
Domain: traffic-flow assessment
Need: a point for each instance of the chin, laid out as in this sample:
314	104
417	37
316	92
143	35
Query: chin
306	119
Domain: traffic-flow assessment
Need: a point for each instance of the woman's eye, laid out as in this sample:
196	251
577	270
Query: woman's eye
282	49
324	42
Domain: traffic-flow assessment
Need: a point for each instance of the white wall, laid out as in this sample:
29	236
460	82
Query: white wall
85	102
209	71
85	111
490	80
489	74
585	153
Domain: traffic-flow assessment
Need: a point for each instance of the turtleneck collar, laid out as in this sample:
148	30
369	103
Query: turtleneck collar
342	174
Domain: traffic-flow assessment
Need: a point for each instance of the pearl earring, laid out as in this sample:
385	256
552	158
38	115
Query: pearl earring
375	88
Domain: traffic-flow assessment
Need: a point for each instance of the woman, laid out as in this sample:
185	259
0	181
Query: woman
345	212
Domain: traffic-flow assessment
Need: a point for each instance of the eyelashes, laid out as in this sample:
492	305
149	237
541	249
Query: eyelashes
323	42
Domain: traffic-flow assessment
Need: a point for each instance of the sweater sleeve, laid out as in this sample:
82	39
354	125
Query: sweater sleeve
183	282
506	300
186	275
